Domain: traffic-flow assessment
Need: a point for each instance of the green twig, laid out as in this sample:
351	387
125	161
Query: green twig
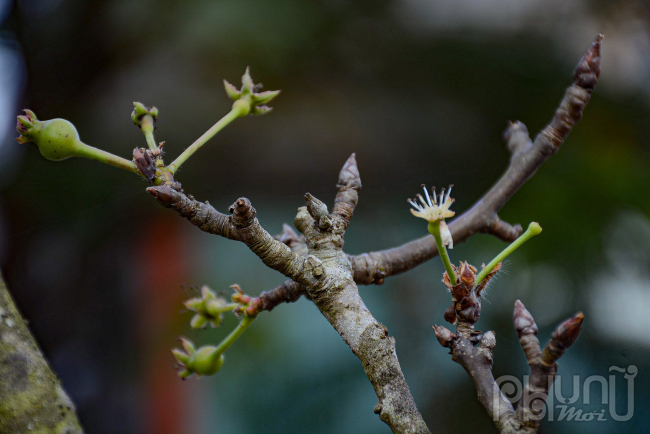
533	229
147	129
434	229
231	116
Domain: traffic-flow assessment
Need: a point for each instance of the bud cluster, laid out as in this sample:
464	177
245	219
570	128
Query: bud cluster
209	308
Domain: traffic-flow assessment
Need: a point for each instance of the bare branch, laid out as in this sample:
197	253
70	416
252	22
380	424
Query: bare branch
288	292
477	360
543	366
348	196
527	157
242	226
31	396
337	297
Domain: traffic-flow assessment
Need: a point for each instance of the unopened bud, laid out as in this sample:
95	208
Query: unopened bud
445	336
247	99
204	361
139	111
523	320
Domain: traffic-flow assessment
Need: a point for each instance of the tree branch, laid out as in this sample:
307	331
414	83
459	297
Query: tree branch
288	292
477	360
543	364
242	225
527	157
337	297
31	397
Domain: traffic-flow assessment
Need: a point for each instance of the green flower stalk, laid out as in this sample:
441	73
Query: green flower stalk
247	101
58	139
533	229
145	118
435	211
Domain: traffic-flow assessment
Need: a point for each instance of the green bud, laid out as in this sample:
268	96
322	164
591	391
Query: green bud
204	361
534	228
57	139
247	99
139	111
207	361
208	308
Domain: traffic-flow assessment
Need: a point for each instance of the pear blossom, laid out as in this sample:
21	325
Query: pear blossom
435	210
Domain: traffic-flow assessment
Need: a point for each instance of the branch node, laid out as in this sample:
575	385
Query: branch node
444	335
517	138
243	213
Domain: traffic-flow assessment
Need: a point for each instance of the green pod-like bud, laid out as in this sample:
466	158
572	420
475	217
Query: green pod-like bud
247	99
204	361
58	139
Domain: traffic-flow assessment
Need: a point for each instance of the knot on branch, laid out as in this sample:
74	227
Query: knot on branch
243	213
316	267
517	137
318	211
164	194
444	336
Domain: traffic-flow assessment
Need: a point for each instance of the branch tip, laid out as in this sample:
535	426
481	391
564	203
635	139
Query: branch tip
523	320
349	175
569	330
588	69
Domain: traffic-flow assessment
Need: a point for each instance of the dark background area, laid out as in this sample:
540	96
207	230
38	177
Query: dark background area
421	91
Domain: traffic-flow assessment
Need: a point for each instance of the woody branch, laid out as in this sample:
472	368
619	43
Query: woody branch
482	217
525	417
325	275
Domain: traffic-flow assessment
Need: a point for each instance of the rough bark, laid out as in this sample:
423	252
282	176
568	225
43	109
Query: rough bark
527	157
31	396
325	275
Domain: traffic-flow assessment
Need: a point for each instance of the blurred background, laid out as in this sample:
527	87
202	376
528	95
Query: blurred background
421	91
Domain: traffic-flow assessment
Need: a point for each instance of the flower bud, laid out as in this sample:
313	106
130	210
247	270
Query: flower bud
208	308
247	99
139	111
57	139
204	361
